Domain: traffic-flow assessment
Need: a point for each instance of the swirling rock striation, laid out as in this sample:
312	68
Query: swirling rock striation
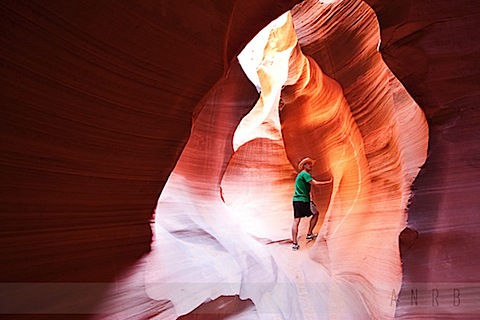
103	102
365	145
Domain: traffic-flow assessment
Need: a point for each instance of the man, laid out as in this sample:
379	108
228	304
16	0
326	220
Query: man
301	200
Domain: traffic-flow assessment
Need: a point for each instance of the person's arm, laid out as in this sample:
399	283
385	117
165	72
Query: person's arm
317	183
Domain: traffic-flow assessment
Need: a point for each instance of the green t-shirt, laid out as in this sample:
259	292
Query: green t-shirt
302	187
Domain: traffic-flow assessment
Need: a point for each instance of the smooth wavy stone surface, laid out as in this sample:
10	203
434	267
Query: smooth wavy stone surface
126	194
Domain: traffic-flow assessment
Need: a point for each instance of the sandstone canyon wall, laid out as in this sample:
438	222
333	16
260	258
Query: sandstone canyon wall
108	106
440	70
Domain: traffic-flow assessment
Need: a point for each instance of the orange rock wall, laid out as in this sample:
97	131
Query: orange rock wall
373	158
97	102
429	47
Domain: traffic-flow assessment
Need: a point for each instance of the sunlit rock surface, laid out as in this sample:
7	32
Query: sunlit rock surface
99	100
372	152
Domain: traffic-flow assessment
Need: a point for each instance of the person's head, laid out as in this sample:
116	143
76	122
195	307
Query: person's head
306	164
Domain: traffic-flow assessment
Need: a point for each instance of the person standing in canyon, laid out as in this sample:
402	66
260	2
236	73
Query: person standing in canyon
302	205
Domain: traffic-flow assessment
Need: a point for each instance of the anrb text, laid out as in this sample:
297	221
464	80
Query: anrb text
437	298
432	297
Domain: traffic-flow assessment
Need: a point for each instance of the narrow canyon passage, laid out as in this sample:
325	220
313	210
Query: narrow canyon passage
147	173
224	216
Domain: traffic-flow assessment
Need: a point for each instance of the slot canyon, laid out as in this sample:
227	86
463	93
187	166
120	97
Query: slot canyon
149	152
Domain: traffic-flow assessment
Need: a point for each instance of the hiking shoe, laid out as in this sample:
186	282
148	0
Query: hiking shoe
311	236
295	247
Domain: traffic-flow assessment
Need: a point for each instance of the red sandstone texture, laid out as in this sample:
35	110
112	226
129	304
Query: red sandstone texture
97	107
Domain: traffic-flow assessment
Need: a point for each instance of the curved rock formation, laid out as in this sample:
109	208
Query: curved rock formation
365	206
103	102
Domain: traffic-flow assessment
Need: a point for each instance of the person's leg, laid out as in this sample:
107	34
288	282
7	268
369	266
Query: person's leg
313	222
296	222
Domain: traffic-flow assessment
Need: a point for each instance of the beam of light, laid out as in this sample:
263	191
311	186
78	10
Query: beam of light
265	62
